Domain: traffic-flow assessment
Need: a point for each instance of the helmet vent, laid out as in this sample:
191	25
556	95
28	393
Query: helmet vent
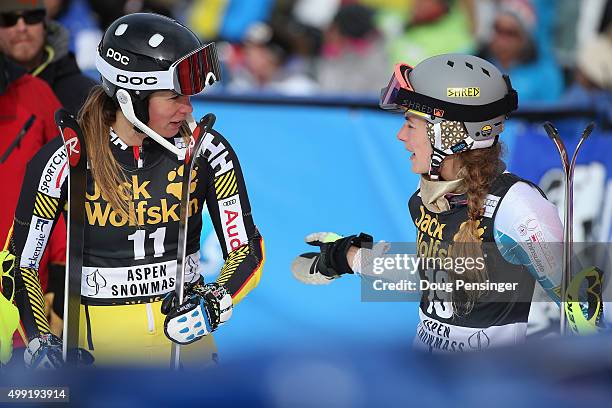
485	72
450	63
470	66
155	40
121	29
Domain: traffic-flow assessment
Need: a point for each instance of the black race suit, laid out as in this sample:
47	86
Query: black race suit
133	262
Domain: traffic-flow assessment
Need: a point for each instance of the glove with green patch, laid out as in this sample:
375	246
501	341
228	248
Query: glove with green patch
319	268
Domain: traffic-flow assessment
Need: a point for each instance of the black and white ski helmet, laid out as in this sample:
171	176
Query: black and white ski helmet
146	52
464	99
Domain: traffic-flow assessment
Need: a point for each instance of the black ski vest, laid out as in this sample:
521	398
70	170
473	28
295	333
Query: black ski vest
434	234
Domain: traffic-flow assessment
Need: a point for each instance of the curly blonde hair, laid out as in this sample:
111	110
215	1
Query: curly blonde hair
479	168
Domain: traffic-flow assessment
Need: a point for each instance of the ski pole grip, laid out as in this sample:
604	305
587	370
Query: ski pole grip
208	121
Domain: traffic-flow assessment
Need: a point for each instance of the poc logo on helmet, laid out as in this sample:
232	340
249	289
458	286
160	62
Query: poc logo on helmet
122	79
116	55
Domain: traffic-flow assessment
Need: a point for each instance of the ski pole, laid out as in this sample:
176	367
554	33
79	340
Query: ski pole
193	149
77	174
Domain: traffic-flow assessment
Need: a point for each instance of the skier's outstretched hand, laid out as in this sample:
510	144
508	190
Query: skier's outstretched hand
45	352
319	268
205	308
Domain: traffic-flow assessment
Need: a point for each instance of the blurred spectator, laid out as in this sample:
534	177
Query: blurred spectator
80	21
306	36
107	11
564	33
41	47
593	17
27	106
314	13
552	14
433	27
266	65
397	5
353	53
514	50
592	88
226	19
163	7
606	17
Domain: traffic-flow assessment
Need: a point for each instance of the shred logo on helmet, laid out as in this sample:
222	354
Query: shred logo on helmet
470	91
464	99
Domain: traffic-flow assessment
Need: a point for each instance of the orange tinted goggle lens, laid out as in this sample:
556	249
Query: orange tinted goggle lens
399	80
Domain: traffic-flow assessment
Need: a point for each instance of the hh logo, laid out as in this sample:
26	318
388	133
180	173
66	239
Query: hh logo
175	188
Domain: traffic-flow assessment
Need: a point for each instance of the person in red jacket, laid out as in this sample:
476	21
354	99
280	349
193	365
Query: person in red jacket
27	106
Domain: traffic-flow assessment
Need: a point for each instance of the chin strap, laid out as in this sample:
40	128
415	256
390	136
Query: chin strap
125	102
438	155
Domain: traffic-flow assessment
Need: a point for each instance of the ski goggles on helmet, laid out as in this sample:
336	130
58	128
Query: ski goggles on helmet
189	75
400	96
399	80
196	70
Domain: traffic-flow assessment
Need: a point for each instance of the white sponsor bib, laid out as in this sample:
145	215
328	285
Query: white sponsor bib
437	337
136	281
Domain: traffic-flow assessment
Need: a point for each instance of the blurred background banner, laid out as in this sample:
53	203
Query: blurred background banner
315	169
532	159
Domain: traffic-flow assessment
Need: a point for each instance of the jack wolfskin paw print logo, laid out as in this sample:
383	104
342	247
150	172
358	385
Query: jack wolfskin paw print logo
175	188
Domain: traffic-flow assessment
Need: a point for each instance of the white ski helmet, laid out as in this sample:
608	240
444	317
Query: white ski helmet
464	99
